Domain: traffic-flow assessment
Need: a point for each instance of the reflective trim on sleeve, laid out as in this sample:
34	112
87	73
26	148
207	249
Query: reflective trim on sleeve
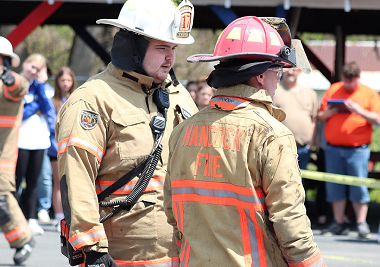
155	183
8	89
7	165
18	232
166	262
314	261
179	244
87	238
178	213
217	193
84	143
10	121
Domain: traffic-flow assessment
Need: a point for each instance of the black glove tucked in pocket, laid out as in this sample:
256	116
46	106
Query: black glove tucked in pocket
96	259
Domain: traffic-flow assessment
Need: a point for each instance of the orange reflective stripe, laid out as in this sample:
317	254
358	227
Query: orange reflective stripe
8	89
217	186
217	193
7	165
178	213
155	183
314	261
259	239
87	238
166	262
185	255
253	242
179	244
17	232
10	121
84	143
229	102
246	239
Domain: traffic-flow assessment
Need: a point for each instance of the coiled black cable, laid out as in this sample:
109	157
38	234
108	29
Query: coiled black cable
140	186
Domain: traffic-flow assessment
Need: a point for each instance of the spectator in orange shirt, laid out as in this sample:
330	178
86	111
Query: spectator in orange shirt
348	132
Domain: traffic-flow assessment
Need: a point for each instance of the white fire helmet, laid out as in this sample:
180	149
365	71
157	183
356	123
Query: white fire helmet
166	20
6	49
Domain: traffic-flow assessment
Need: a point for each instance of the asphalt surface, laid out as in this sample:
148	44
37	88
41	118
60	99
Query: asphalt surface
338	251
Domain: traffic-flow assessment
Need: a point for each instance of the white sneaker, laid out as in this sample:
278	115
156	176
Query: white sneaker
35	227
57	225
43	216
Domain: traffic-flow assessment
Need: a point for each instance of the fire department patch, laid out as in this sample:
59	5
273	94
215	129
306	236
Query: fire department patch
88	119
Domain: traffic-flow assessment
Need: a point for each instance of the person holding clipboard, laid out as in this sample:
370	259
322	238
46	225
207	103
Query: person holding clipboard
349	109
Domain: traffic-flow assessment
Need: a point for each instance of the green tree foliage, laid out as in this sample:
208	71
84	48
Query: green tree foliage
54	42
204	44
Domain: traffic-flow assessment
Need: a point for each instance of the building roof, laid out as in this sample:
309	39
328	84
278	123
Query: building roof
366	54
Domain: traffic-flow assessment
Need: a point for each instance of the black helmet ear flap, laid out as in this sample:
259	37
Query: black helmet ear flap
280	25
128	51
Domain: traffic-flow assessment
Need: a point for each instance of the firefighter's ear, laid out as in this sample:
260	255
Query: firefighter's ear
256	81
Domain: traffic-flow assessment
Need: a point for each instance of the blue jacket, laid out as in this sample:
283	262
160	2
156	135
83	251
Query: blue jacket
36	100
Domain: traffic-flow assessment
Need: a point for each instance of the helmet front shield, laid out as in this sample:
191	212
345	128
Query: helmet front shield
301	59
294	51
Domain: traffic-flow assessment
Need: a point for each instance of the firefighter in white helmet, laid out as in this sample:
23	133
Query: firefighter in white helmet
115	128
13	87
233	191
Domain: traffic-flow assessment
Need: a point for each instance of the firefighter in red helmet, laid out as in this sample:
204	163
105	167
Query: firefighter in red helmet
233	191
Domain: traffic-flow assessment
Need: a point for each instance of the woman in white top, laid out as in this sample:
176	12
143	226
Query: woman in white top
33	138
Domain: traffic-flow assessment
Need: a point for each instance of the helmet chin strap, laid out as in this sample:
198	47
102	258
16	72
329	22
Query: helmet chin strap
174	78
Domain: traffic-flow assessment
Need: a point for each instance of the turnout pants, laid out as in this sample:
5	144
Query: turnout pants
12	221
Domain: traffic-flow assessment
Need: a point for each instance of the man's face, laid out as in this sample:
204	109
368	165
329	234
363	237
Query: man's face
159	59
271	79
204	95
291	75
193	88
350	83
1	63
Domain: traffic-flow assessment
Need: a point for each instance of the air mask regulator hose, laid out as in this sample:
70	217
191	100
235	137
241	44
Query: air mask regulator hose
140	186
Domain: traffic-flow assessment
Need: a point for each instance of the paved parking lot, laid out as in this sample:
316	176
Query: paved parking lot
338	251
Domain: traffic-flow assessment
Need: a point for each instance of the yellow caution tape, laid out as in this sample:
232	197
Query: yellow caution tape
340	258
340	179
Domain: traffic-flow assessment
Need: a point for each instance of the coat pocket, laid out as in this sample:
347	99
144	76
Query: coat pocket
133	136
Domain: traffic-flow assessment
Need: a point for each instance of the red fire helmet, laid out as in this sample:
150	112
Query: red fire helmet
251	38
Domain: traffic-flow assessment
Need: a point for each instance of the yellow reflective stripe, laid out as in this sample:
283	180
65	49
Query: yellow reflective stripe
86	144
88	237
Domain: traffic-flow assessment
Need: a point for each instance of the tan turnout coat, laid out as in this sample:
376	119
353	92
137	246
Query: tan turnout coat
103	133
233	191
12	220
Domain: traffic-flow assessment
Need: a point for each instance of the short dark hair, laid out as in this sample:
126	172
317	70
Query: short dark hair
190	83
351	70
